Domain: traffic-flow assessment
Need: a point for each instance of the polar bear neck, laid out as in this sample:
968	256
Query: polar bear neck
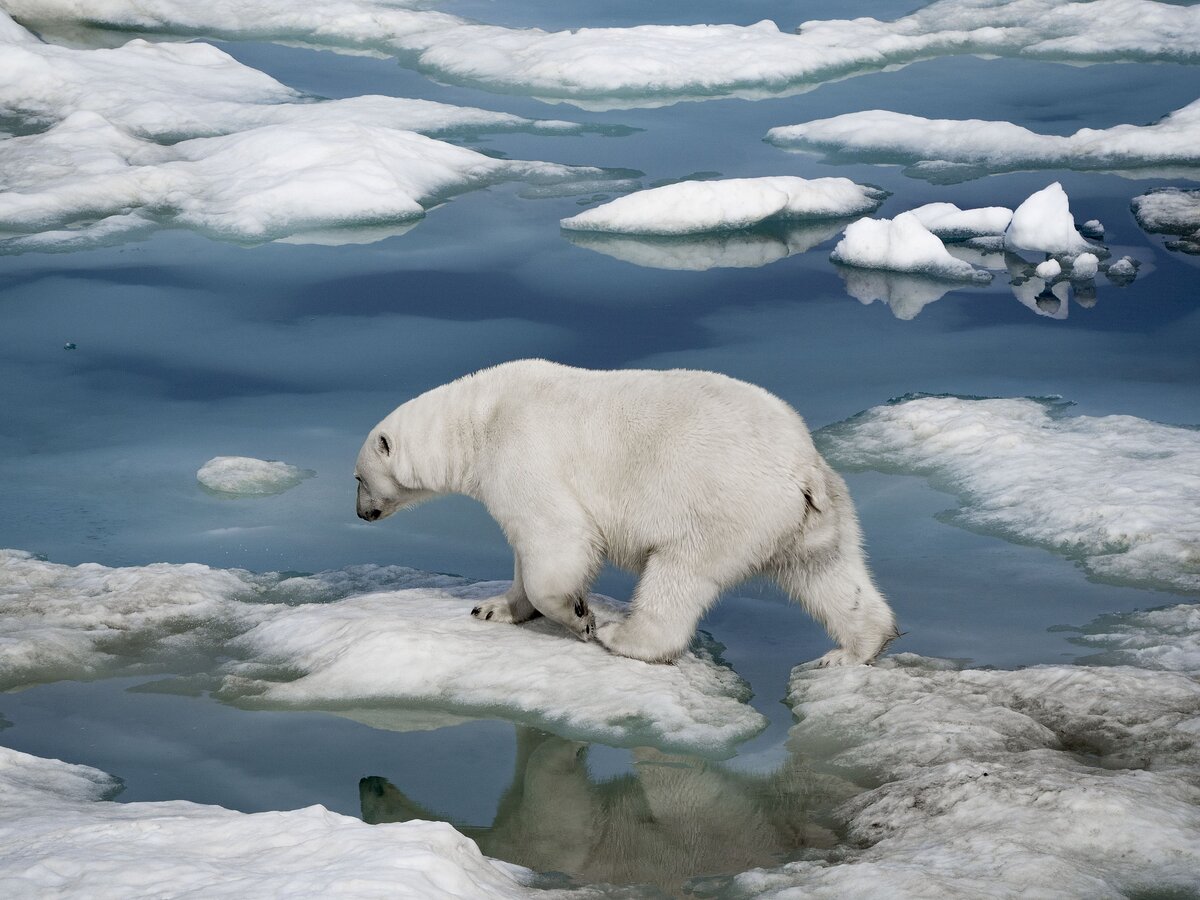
438	440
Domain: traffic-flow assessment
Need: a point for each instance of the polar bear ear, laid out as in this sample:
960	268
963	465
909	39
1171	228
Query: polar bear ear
385	447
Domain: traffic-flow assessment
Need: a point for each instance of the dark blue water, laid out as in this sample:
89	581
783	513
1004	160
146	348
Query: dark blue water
188	348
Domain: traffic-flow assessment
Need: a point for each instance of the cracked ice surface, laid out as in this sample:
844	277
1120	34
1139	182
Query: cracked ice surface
656	64
364	636
978	146
1062	781
695	207
1118	493
60	836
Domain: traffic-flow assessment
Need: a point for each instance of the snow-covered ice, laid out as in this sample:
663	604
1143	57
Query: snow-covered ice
939	146
655	64
950	223
1043	223
1166	638
1085	265
1048	270
1054	781
1118	493
1173	211
695	207
360	637
902	244
247	476
61	837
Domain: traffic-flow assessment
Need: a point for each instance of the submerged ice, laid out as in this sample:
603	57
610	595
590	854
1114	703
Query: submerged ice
247	476
362	637
1118	493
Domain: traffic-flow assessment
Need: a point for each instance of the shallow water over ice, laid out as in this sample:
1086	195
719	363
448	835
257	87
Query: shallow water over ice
183	349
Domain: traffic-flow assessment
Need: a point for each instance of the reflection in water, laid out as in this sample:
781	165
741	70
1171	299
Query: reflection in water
673	818
904	294
716	250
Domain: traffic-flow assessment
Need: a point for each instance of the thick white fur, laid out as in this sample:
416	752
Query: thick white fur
692	480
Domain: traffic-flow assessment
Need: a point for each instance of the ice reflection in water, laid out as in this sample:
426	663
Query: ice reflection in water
669	820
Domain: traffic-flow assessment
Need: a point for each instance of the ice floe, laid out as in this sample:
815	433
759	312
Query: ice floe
952	149
85	174
1043	223
655	64
357	638
1118	493
247	476
1059	781
950	223
60	836
695	207
1173	211
1166	638
902	244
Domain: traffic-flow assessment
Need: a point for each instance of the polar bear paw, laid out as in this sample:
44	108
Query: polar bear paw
498	610
838	657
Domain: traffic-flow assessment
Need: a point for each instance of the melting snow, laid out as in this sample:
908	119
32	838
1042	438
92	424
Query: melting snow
693	207
902	244
1044	223
1119	493
1171	211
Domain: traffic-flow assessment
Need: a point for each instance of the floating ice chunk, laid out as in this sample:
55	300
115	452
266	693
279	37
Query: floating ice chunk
254	185
249	477
60	837
1093	229
950	223
1167	638
1083	779
1171	211
1049	270
1085	265
656	64
170	91
326	644
1120	494
980	147
695	207
1123	271
902	244
1044	223
346	653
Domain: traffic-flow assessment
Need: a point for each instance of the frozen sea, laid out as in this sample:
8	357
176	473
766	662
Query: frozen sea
128	362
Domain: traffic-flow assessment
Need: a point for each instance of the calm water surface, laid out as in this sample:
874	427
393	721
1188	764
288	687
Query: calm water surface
189	348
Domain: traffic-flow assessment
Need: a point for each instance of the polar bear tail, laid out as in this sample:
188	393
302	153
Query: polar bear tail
823	567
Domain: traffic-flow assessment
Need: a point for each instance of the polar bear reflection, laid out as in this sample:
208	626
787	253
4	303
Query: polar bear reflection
675	817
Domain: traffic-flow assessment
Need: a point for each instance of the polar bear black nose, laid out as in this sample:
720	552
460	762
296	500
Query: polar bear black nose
370	514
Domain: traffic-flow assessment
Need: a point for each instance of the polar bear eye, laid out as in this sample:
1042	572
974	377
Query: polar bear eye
384	447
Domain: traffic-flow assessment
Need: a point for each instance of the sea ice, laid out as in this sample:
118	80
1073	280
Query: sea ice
1044	223
1049	270
1171	210
254	185
1059	781
367	636
656	64
1166	638
247	476
941	145
950	223
1119	493
902	244
1084	266
695	207
61	837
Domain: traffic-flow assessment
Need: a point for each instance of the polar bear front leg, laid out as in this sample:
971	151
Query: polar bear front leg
557	576
513	607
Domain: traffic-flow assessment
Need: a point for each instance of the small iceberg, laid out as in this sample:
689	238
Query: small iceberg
245	476
696	207
1044	223
1173	211
1118	493
902	244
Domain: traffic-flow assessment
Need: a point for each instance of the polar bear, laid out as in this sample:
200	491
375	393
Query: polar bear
691	480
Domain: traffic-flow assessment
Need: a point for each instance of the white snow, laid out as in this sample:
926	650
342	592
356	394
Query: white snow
1044	223
364	636
254	185
949	222
1085	265
422	646
655	64
1171	211
245	475
1118	493
1049	270
694	207
59	837
936	144
1053	781
902	244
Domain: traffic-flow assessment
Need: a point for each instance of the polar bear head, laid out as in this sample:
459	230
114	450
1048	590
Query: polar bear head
385	480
